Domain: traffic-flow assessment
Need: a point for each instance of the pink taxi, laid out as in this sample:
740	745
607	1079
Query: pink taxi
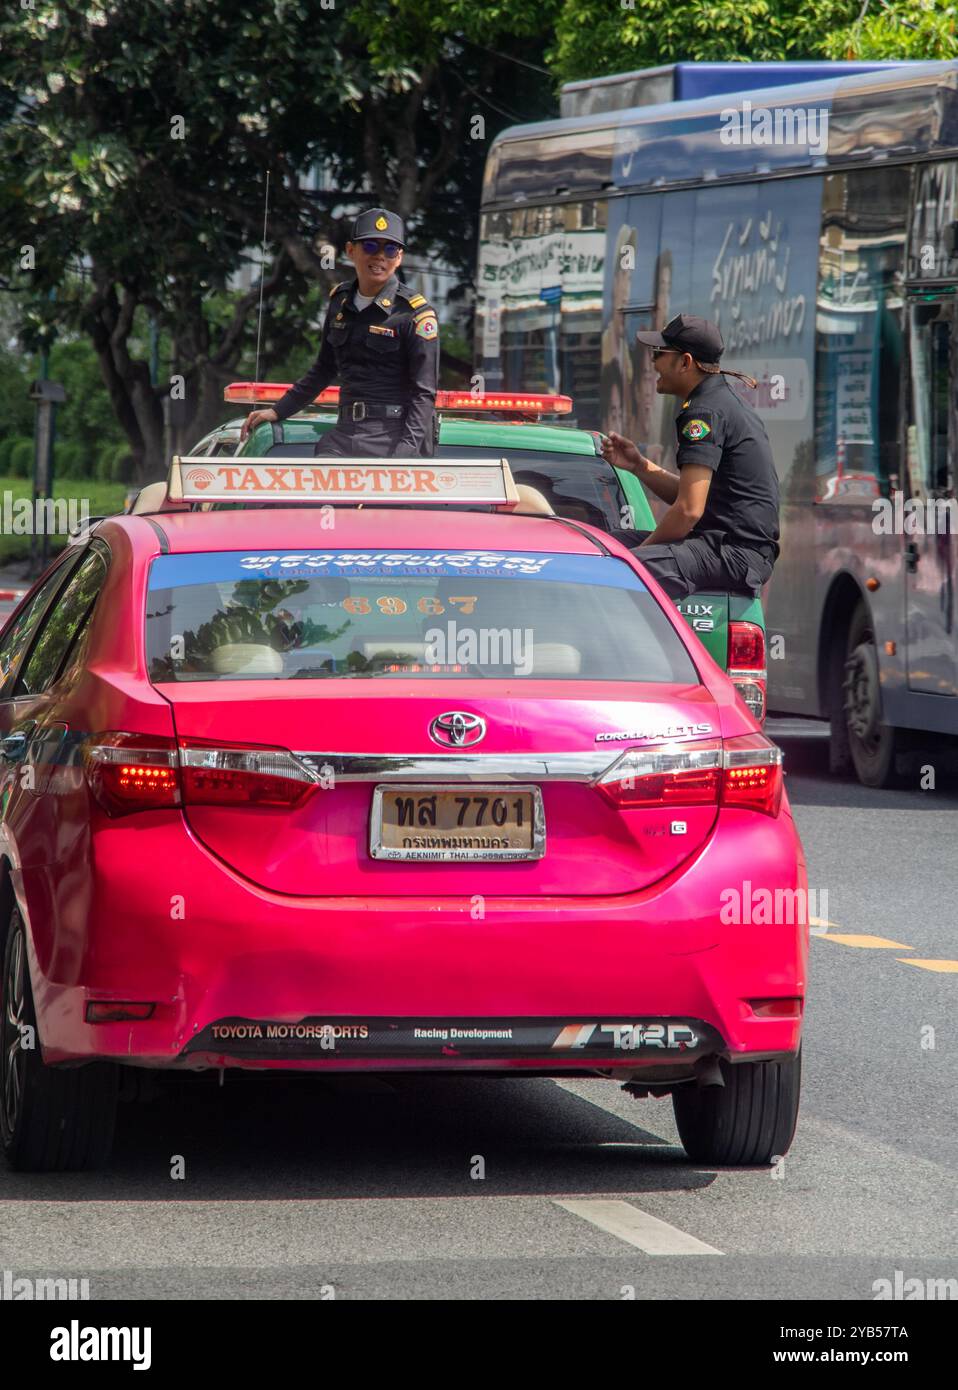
429	783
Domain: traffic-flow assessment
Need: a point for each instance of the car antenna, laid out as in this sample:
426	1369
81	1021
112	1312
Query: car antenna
262	275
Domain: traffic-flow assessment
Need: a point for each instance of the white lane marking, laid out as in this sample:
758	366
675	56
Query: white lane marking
638	1227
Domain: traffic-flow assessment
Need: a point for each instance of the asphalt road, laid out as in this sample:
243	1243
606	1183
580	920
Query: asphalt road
365	1188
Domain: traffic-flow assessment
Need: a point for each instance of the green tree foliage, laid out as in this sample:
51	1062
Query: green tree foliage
135	144
916	29
21	459
595	37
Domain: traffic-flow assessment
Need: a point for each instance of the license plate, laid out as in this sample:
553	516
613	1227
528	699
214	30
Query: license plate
491	823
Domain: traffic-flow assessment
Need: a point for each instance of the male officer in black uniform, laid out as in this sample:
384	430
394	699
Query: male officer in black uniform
381	339
721	529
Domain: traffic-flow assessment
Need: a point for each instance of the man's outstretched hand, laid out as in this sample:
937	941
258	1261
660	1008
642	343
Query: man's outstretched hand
256	417
622	453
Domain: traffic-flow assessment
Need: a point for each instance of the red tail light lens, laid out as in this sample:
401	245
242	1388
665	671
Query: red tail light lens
141	772
671	775
753	774
746	666
132	772
234	775
746	647
744	772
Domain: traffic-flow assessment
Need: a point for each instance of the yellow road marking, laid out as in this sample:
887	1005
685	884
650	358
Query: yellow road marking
944	967
874	943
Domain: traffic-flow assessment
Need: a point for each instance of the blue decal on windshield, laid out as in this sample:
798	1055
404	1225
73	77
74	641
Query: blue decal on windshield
173	571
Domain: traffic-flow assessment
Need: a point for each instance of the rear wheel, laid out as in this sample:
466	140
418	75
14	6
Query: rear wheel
51	1118
749	1120
874	745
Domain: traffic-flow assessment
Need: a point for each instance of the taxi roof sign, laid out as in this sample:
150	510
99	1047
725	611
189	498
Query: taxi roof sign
409	482
524	402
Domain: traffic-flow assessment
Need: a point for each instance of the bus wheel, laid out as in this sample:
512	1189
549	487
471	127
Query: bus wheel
874	745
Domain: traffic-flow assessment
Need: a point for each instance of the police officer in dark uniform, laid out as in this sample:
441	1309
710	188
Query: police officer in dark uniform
721	530
381	340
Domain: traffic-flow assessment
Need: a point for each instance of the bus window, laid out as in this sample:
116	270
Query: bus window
859	340
930	370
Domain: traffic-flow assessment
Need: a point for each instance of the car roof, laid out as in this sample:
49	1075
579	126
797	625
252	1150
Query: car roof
475	434
365	528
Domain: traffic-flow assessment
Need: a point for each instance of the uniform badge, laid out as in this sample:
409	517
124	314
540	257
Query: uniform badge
384	302
381	224
416	300
696	430
427	326
686	404
385	332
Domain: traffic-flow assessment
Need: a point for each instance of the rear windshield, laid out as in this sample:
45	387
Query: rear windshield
321	615
582	487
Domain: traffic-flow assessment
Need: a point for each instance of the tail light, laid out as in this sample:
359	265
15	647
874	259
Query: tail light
234	774
753	774
742	772
143	772
746	665
666	776
132	772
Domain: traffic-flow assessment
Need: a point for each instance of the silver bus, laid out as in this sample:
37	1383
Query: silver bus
818	224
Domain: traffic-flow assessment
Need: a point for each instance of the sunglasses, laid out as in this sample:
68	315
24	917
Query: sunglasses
659	352
390	249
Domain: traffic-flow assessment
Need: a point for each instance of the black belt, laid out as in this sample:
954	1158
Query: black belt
355	411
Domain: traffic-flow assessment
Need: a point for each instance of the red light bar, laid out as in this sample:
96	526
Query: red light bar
524	401
531	403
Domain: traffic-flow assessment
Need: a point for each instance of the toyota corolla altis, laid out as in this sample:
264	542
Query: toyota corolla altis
383	787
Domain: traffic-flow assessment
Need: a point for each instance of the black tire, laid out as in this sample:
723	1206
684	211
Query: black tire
749	1120
52	1119
874	746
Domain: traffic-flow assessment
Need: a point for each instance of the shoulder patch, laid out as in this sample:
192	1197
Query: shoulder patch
424	314
696	430
416	300
427	326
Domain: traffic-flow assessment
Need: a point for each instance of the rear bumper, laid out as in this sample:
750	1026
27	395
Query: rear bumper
213	952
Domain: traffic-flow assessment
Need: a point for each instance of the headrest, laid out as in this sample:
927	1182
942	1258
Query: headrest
532	502
246	659
555	659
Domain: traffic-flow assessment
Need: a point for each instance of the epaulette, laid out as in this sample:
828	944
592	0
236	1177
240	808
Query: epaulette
414	298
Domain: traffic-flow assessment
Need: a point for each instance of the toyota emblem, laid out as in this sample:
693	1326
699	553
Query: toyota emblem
457	729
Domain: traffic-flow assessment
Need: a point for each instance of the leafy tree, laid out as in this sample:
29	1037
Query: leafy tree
917	29
595	37
135	144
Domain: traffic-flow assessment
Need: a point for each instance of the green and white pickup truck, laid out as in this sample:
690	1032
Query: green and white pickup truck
563	463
